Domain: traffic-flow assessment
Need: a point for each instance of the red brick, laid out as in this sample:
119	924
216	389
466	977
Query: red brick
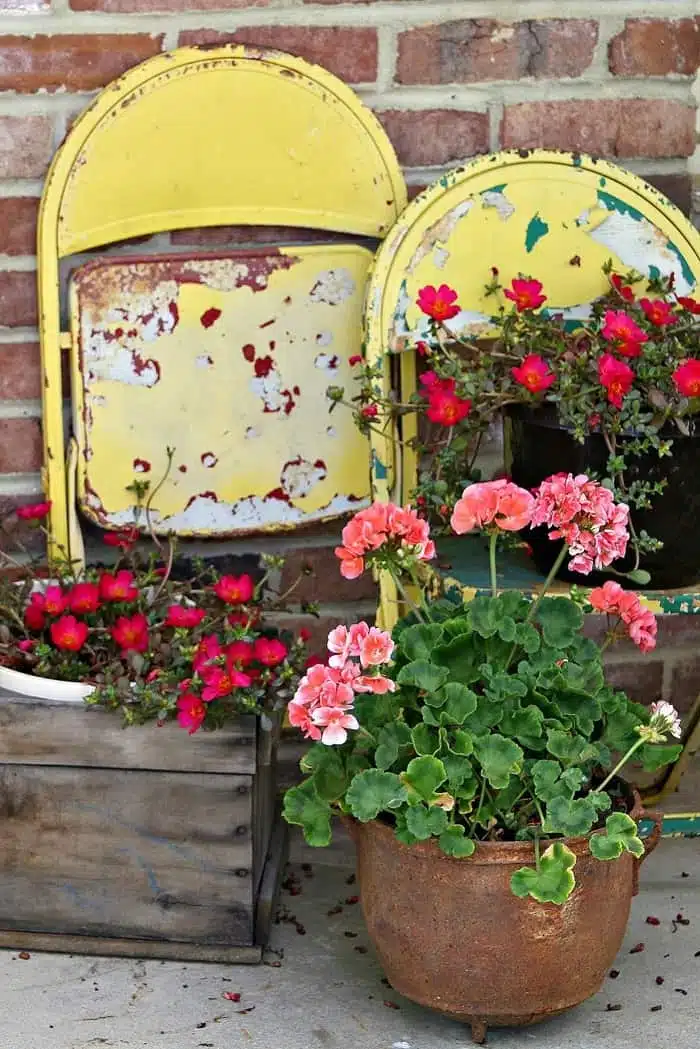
618	128
227	236
20	378
474	50
350	53
320	579
641	679
126	6
18	304
26	146
435	136
678	189
328	3
20	446
656	47
18	217
685	683
74	62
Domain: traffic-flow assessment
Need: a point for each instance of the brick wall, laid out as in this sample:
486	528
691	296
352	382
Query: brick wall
448	79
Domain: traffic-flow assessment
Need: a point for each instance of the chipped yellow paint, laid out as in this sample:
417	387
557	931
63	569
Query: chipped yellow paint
554	216
227	361
261	138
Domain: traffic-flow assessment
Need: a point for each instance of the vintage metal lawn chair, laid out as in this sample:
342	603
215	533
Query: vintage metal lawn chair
223	358
558	216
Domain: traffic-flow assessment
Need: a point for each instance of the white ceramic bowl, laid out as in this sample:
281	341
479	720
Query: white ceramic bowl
43	687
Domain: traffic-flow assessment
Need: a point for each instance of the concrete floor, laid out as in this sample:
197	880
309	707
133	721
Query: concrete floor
323	989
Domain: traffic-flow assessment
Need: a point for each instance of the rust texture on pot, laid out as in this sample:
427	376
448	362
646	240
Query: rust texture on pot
451	935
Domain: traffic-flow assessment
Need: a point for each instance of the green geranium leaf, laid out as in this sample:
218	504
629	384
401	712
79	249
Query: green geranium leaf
460	702
620	835
527	637
551	781
303	807
461	742
372	792
425	740
488	713
561	621
330	777
553	882
454	841
418	642
526	725
461	658
499	757
570	817
390	740
458	770
424	775
484	616
424	822
402	832
654	756
571	750
423	675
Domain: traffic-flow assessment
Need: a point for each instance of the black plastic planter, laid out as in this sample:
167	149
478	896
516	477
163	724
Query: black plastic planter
539	447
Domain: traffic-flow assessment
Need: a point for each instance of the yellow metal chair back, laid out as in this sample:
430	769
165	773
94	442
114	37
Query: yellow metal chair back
554	216
224	358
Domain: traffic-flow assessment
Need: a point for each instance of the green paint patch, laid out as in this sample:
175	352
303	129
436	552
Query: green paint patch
537	228
654	273
613	203
603	181
495	189
379	468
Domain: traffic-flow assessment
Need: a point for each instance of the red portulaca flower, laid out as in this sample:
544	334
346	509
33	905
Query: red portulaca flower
269	651
34	614
617	378
69	633
369	411
689	304
219	682
623	332
118	587
526	294
623	290
235	590
131	633
33	512
534	373
687	378
657	311
55	601
191	712
447	409
183	617
438	303
125	538
84	598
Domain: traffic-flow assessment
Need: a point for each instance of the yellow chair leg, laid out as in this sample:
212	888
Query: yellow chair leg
76	547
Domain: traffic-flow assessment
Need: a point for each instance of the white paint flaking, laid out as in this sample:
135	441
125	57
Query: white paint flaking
639	245
269	389
440	257
299	478
331	431
498	200
203	361
440	232
220	274
252	432
327	362
209	460
333	287
324	338
206	515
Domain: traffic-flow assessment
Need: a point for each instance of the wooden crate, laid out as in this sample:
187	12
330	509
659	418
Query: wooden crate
141	841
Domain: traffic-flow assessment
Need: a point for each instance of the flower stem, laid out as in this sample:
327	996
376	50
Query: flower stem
409	601
623	761
548	581
493	540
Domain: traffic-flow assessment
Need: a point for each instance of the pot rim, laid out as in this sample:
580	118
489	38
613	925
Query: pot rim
487	852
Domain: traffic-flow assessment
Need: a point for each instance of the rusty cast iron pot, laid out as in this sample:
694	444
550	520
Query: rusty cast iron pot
451	935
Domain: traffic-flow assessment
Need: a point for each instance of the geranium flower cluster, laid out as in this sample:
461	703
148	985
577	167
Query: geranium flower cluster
639	621
322	707
585	515
495	504
384	534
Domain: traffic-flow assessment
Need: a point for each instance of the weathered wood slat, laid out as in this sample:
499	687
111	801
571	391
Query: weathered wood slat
39	732
126	854
110	947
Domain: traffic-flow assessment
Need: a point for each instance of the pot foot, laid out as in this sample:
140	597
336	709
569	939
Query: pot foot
479	1028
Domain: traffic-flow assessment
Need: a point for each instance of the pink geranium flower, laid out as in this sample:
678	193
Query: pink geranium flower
376	683
299	717
640	621
335	722
499	503
586	516
344	642
385	528
376	648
